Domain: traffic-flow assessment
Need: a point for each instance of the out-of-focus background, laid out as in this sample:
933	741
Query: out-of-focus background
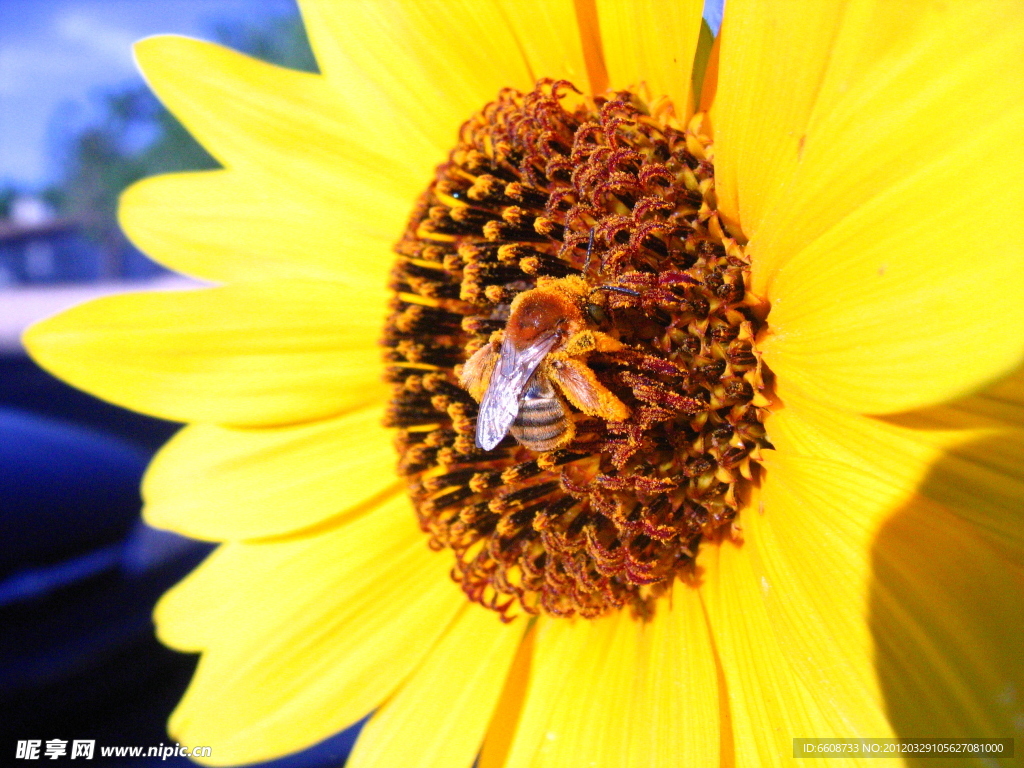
79	572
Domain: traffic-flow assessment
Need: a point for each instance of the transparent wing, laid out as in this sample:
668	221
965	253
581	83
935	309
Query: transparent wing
500	405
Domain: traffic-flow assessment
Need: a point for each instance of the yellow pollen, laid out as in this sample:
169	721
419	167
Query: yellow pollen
578	394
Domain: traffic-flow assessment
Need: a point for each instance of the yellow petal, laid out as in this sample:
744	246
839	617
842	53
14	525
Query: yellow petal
223	484
1005	397
303	636
805	580
766	47
255	354
861	610
502	729
894	90
617	691
591	45
774	696
1000	405
652	42
978	441
559	39
981	481
228	226
806	563
310	193
862	202
290	126
440	68
439	716
946	620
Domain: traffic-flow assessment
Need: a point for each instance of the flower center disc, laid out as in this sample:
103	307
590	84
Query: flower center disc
645	379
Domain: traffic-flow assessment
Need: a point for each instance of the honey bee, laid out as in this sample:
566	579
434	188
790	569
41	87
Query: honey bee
545	341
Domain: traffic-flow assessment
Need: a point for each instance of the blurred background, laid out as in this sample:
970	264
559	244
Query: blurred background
79	572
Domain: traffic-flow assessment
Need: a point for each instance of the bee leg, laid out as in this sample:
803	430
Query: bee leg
585	342
581	388
605	343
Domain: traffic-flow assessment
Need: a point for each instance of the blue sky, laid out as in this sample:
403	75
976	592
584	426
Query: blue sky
57	56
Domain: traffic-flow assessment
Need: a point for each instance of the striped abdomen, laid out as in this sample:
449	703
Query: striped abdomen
542	423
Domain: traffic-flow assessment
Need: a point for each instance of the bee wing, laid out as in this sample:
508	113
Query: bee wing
511	374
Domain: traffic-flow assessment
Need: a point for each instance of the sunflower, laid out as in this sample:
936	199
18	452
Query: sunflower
850	565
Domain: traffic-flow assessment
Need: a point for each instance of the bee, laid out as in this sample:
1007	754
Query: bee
544	344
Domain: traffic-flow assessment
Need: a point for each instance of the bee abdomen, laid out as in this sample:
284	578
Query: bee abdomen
541	424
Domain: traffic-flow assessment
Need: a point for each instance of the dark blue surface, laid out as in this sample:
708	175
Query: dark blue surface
65	490
79	574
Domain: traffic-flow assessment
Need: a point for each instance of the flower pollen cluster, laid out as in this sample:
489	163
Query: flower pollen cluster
550	184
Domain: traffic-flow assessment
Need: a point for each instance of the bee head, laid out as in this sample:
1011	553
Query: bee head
539	312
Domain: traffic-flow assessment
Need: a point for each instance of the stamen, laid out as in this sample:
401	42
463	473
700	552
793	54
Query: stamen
580	235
